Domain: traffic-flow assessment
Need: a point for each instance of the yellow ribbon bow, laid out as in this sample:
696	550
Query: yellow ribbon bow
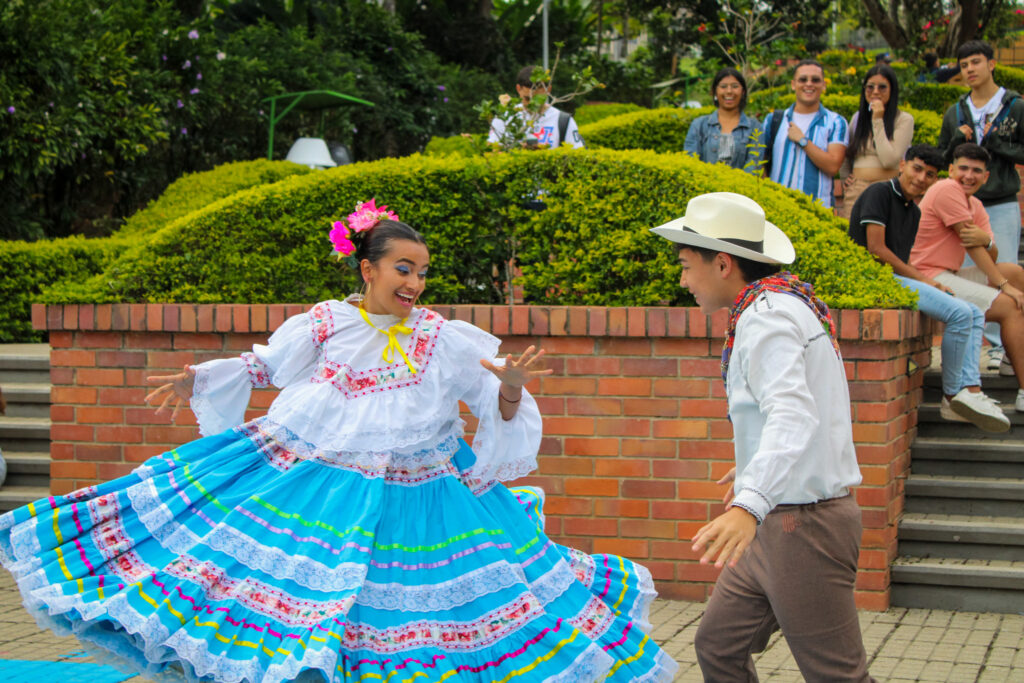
389	351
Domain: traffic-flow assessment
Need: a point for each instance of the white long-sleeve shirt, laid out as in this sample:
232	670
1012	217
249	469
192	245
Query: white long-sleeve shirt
790	409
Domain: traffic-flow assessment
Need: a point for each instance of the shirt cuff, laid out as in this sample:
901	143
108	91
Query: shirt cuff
754	502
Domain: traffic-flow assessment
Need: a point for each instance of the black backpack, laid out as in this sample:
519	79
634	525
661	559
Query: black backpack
773	129
564	118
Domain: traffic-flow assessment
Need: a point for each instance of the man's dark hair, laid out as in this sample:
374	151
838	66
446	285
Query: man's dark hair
525	77
807	62
969	150
927	155
751	270
931	60
975	47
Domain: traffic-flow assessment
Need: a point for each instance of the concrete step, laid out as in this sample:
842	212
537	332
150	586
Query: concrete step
978	457
24	363
27	469
23	428
27	399
984	496
1002	389
15	496
961	536
931	424
973	585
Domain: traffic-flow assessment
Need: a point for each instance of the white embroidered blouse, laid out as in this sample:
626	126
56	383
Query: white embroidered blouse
340	395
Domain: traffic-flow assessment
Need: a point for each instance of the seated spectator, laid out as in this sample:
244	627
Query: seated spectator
806	143
883	58
551	126
725	136
879	135
954	223
934	73
885	221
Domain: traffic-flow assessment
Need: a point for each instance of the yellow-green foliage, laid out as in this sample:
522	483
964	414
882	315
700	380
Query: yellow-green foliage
27	268
1009	77
457	145
591	113
591	245
660	130
934	97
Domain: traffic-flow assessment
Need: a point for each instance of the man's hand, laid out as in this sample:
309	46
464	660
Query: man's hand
967	131
794	133
1015	294
726	537
938	285
973	236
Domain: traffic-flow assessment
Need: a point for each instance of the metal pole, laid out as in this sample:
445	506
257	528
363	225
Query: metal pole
547	6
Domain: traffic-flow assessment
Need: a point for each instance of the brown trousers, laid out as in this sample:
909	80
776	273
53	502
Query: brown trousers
797	575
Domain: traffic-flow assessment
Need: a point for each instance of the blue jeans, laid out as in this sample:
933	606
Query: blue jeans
961	340
1005	221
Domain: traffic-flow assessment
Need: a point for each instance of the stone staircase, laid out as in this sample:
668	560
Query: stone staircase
25	430
961	540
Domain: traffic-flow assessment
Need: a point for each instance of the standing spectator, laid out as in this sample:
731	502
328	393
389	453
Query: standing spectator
953	222
806	143
551	126
725	135
885	221
993	117
879	135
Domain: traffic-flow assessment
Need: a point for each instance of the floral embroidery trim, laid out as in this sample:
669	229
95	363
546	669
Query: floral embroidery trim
259	373
322	322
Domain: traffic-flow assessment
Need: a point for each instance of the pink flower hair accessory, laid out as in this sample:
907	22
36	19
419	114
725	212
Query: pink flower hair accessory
366	216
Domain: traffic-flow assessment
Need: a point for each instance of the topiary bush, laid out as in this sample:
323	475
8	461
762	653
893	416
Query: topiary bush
26	268
933	97
458	145
591	244
591	113
660	130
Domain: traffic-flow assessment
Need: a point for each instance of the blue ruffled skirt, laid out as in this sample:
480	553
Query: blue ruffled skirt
235	558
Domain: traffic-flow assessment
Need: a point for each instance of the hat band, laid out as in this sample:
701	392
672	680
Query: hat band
753	245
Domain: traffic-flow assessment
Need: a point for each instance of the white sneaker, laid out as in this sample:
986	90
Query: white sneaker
993	358
1006	367
1019	404
981	411
946	412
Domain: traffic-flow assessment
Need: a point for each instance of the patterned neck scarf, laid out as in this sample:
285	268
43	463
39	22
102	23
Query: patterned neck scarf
785	283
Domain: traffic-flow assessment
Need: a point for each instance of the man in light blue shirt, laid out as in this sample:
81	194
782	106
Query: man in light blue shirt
806	142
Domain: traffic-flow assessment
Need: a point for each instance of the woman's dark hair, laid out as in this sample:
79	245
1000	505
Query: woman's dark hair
373	245
862	133
722	74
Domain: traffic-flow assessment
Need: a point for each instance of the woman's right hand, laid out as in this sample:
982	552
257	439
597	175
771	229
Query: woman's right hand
877	108
171	386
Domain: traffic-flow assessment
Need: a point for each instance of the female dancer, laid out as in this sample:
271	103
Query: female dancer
349	534
880	135
725	134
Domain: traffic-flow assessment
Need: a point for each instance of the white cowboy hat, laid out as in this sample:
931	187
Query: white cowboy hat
729	222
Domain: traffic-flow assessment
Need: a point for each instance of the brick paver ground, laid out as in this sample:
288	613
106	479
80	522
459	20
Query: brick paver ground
903	644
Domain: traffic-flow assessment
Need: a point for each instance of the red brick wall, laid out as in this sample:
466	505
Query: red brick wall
634	415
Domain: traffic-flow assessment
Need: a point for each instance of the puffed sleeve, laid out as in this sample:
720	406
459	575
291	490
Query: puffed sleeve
223	387
505	449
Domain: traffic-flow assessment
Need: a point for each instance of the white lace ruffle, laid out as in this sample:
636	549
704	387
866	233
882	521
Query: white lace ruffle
641	610
444	595
592	665
220	394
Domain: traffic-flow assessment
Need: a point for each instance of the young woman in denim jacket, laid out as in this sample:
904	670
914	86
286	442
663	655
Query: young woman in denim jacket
724	135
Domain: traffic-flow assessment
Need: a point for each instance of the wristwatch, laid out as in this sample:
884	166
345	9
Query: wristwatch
803	142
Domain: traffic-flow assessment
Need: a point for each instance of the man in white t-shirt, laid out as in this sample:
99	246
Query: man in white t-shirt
552	127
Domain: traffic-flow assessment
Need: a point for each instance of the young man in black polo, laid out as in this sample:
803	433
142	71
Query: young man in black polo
885	220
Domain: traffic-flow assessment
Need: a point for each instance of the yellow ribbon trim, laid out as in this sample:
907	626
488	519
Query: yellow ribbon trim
389	351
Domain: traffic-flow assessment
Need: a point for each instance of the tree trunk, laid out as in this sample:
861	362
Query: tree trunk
890	30
485	8
600	25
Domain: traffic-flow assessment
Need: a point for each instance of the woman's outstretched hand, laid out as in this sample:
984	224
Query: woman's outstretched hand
171	386
517	372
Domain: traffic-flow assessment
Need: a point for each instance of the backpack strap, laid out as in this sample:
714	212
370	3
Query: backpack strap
563	126
1003	113
773	129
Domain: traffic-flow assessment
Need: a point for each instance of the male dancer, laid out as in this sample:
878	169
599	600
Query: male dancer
790	538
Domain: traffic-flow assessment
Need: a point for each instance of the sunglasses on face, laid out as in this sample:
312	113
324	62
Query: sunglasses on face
880	87
809	79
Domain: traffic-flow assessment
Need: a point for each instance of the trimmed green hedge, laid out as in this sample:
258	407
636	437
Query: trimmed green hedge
933	97
591	113
660	130
28	268
590	246
458	145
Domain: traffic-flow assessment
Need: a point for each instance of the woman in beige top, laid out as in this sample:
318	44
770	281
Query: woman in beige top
880	135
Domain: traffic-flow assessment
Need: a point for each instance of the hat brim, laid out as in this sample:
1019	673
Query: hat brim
777	247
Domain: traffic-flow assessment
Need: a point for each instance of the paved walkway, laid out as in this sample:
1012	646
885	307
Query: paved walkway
903	645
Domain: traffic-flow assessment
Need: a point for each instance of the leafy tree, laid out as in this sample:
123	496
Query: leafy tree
914	26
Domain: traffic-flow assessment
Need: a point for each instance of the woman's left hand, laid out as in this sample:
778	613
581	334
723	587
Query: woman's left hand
517	372
877	108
